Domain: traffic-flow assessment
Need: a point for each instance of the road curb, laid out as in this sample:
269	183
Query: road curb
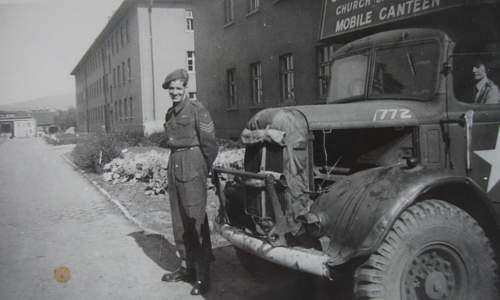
123	209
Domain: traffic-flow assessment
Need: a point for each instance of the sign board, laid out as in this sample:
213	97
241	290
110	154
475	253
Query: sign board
342	16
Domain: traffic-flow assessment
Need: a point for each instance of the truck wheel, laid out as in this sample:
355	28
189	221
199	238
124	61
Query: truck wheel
434	250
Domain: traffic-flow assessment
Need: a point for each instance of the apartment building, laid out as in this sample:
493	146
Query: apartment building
118	79
254	54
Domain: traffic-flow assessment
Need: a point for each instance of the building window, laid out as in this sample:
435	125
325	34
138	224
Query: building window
117	47
256	82
231	88
126	31
287	77
110	112
189	20
192	95
125	109
253	5
120	111
190	61
116	111
114	77
325	55
118	75
129	70
124	73
130	108
228	11
121	36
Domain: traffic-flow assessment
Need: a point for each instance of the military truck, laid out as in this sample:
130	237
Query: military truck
394	178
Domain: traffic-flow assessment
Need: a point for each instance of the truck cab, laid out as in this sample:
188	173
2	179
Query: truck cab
396	175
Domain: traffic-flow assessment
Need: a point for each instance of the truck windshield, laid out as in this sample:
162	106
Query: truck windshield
402	72
348	77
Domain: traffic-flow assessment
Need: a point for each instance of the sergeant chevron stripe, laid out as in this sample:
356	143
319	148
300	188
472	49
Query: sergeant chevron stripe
207	127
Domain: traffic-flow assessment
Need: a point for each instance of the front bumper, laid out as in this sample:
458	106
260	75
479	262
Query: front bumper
305	260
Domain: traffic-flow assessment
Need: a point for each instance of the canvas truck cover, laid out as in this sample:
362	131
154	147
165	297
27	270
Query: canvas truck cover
343	16
288	128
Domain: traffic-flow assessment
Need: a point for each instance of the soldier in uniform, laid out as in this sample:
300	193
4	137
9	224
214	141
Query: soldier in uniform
191	137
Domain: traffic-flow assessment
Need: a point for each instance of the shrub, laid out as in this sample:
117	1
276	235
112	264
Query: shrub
61	139
156	139
98	149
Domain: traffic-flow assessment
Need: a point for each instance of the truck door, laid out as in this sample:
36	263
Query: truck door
484	152
476	78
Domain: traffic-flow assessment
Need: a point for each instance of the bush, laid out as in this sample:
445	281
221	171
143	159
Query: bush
156	139
61	138
96	150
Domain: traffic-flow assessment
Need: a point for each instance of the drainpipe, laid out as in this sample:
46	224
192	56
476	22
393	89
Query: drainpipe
150	9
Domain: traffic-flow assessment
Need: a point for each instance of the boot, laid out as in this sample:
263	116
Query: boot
200	286
181	274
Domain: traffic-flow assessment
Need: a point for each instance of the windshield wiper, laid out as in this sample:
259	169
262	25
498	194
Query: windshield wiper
411	63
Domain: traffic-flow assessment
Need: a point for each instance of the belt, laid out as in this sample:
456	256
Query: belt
184	148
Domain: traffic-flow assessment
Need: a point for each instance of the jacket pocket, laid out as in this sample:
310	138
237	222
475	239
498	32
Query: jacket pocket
190	166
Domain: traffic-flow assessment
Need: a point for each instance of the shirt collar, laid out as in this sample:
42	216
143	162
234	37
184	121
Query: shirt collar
482	83
181	105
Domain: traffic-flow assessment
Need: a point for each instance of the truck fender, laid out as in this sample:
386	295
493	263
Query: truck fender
358	211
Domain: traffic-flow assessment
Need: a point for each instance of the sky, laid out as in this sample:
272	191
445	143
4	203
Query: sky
41	41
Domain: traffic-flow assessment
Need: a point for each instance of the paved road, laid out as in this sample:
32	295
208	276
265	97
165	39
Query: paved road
50	217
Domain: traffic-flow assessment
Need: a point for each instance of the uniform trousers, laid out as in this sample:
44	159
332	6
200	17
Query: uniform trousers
187	190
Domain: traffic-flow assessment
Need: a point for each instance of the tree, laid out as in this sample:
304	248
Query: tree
66	118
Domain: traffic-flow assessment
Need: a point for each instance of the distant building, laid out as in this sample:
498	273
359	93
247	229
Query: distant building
45	120
17	124
254	54
119	78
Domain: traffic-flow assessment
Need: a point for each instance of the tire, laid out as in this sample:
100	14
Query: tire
434	250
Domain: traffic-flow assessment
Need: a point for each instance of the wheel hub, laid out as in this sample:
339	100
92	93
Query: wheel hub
436	285
437	273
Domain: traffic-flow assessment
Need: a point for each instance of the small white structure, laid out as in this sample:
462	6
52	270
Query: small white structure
17	124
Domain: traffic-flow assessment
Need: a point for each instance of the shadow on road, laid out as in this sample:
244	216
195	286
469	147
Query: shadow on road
230	281
158	249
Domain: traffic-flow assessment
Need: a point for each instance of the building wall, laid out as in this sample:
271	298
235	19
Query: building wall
24	128
18	127
124	101
277	28
124	88
169	42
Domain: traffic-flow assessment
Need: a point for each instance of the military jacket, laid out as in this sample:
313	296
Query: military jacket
189	124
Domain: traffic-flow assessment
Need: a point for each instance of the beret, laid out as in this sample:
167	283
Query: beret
174	75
